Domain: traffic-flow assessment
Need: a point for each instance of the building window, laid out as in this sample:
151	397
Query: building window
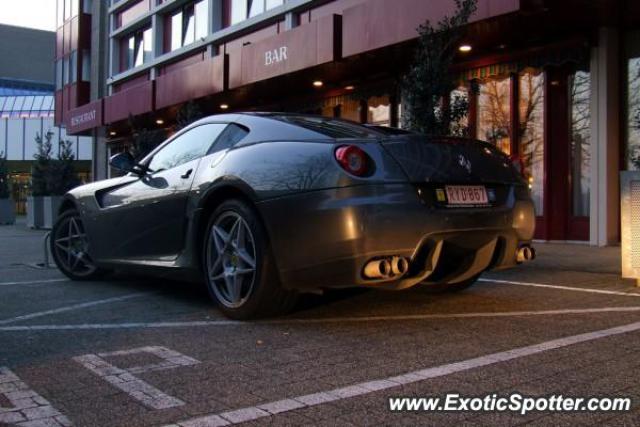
60	13
244	9
86	65
139	49
378	111
189	24
59	74
458	101
75	8
73	67
350	109
494	110
176	30
202	19
256	7
147	45
531	133
67	9
632	122
65	71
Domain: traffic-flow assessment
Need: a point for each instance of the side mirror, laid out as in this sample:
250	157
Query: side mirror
124	161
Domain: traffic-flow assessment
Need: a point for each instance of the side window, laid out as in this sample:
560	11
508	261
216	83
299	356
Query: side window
229	137
189	146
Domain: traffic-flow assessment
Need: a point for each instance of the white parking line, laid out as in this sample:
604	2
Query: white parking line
34	282
561	287
125	380
359	319
72	307
289	404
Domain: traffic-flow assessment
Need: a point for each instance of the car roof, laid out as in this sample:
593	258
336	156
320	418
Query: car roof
271	126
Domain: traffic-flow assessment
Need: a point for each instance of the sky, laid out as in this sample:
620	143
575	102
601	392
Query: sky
40	14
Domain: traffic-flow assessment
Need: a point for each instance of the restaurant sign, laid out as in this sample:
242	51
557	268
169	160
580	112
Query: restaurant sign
84	118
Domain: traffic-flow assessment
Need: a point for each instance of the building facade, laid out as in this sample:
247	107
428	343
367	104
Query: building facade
556	84
27	107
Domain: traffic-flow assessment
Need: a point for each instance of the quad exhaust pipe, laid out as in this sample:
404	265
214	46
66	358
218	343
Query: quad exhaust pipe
386	268
525	253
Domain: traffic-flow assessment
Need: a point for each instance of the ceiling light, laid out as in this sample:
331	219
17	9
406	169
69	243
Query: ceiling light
112	133
159	122
318	83
224	106
464	48
350	87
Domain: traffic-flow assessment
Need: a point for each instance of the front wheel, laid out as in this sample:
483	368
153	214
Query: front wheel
239	267
70	248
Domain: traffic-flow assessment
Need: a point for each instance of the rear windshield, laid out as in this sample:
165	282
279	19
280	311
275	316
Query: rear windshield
333	128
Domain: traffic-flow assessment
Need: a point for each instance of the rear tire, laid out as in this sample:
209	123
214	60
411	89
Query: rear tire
441	288
239	266
70	248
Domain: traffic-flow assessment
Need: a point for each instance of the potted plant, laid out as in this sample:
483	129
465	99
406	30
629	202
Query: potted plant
60	178
7	212
35	202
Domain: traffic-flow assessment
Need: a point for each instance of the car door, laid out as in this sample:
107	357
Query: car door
145	218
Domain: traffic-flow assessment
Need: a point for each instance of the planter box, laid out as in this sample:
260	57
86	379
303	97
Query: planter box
7	212
51	204
35	215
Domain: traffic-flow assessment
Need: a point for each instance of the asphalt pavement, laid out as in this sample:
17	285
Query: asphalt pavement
130	351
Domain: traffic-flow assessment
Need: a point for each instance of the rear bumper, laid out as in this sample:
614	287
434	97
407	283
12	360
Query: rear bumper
324	238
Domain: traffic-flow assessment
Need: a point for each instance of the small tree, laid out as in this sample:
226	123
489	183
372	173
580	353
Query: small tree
4	177
61	175
428	81
144	140
41	166
187	114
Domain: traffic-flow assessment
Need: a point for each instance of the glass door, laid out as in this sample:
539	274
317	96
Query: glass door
531	133
568	149
580	158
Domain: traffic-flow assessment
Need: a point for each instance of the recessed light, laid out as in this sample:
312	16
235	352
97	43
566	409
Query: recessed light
159	122
318	83
350	87
224	106
464	48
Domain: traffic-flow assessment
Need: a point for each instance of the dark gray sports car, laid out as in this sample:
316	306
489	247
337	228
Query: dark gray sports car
263	206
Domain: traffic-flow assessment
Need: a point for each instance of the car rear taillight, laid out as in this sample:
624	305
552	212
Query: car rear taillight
354	160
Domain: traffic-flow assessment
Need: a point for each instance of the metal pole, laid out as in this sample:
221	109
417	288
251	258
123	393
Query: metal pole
46	239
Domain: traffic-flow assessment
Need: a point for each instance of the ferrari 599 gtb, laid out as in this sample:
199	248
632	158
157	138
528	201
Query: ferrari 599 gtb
263	206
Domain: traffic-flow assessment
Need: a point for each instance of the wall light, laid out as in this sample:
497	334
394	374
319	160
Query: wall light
464	48
318	83
224	106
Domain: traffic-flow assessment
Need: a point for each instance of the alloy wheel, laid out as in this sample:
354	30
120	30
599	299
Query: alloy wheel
231	259
71	245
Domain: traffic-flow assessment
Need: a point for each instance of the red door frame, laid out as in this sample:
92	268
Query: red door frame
557	221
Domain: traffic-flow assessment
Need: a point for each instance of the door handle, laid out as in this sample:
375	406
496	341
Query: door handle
187	174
